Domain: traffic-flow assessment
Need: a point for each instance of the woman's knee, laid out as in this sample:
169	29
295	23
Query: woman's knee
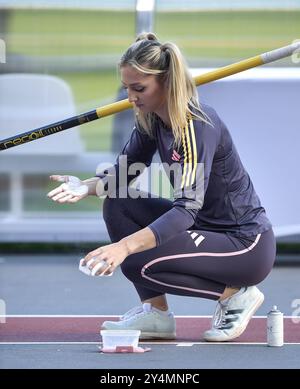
111	208
131	269
128	270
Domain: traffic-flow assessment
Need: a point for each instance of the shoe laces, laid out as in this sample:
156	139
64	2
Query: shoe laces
135	311
219	318
131	312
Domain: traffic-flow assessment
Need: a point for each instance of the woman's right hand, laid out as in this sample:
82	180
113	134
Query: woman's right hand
71	191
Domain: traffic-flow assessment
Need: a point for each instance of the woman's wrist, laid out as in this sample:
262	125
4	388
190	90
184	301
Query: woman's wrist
126	244
92	185
139	241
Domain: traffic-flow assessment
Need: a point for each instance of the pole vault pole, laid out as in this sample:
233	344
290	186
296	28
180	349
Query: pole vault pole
119	106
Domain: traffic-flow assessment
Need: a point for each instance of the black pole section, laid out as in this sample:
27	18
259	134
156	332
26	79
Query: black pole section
41	132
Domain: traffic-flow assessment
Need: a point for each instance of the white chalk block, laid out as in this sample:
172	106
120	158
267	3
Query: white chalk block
85	269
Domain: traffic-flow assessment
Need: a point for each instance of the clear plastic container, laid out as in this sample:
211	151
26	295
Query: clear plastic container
113	338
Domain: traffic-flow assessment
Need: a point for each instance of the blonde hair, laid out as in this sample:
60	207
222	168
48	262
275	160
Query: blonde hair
149	56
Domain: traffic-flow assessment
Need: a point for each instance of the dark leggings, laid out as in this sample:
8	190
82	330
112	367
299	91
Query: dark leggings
194	263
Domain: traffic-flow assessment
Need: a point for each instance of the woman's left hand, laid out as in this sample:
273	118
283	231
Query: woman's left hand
113	254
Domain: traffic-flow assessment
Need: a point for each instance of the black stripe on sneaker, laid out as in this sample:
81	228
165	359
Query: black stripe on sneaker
234	311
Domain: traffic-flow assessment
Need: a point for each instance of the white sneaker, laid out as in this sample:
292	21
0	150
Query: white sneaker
148	320
233	314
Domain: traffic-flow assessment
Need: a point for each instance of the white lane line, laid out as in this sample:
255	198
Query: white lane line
149	343
100	316
67	316
45	343
185	344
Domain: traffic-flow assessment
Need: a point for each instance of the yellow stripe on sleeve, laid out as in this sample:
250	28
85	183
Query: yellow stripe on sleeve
185	160
194	144
190	160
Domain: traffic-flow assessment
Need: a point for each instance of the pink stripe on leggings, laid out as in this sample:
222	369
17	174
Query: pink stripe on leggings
189	255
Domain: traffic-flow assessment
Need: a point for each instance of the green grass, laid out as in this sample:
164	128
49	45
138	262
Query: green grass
22	248
213	37
92	90
215	34
229	34
70	32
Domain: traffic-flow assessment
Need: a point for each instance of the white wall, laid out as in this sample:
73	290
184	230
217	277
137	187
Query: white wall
261	109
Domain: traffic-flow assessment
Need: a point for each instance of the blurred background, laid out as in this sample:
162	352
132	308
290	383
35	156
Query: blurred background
61	59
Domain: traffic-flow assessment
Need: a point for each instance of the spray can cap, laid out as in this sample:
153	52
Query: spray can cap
275	310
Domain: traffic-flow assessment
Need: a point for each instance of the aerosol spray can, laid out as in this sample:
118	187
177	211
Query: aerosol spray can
275	327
